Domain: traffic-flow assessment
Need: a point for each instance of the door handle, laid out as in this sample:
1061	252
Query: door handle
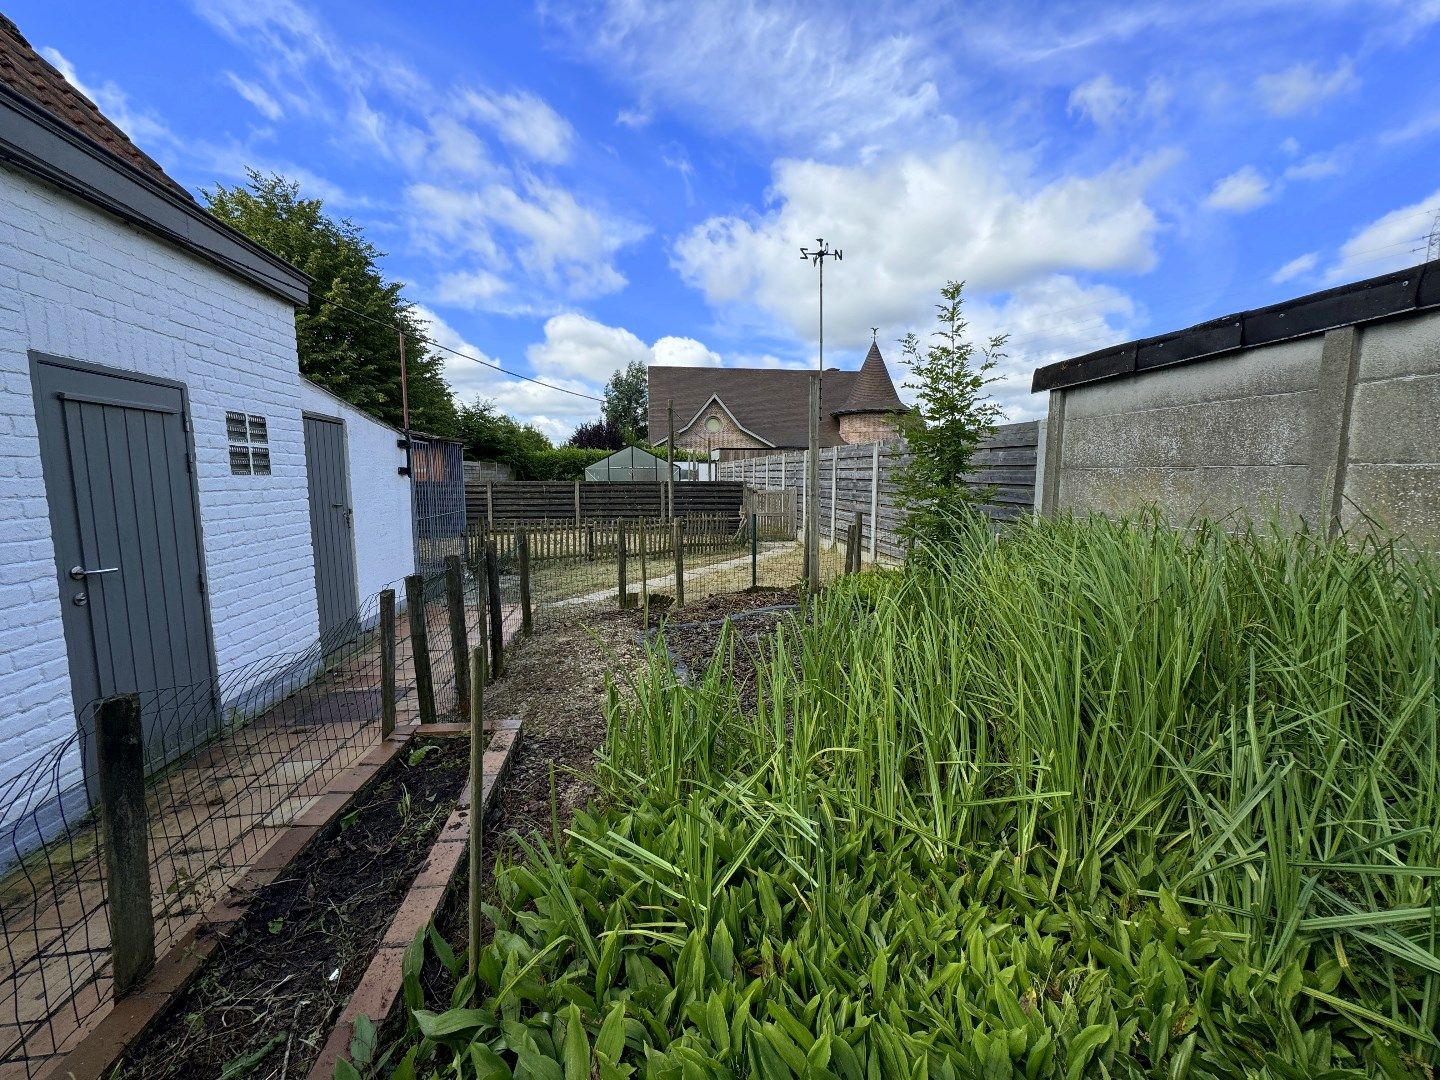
79	573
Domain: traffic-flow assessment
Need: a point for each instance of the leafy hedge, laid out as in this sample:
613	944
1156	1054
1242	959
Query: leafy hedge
1092	800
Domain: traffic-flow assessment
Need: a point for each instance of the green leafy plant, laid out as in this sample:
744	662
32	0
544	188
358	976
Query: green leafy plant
1093	799
951	416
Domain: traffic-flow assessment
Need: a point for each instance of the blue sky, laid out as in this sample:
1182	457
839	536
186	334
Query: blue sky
567	187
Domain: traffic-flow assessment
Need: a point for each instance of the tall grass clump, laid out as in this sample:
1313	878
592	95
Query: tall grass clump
1089	798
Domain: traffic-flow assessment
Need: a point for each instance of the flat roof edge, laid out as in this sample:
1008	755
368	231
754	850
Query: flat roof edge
1400	292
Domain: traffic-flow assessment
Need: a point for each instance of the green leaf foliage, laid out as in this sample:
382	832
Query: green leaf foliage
951	416
349	336
1094	799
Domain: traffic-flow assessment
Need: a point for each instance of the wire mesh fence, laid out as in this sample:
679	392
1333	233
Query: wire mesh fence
227	766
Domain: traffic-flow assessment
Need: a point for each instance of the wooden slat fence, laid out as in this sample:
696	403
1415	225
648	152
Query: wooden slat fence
576	502
861	477
598	540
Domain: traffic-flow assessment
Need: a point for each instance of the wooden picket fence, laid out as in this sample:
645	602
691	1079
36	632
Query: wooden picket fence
597	540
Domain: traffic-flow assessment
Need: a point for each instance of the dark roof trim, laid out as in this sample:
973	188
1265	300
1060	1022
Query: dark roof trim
36	142
1397	293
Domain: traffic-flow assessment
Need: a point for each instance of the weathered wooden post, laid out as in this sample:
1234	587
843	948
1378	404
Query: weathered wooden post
590	542
387	663
850	543
459	639
477	801
677	540
420	646
120	754
497	615
522	550
620	560
645	571
859	527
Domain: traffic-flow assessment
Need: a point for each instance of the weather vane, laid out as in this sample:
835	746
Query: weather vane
817	258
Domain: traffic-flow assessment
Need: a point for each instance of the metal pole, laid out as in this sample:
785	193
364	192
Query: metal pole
670	456
754	548
812	495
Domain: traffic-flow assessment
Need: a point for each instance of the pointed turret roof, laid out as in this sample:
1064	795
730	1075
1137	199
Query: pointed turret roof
872	391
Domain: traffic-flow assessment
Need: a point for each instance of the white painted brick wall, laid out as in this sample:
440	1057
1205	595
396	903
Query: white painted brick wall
76	283
384	539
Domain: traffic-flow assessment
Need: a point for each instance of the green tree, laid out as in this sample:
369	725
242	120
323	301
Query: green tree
952	415
627	401
348	336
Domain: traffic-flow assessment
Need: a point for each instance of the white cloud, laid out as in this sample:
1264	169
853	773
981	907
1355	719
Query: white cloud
1101	99
906	227
1106	103
1317	166
580	346
1301	264
1301	87
1242	190
683	352
256	95
637	117
553	411
785	71
1390	242
526	122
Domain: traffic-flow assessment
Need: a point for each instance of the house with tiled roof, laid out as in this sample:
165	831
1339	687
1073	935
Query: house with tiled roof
729	413
177	497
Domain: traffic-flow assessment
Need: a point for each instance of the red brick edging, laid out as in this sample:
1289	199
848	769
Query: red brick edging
379	987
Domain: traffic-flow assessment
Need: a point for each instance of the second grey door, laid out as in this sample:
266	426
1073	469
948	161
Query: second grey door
331	529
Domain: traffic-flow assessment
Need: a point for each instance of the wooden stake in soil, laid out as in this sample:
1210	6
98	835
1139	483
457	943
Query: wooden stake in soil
522	550
677	540
620	560
420	646
497	616
120	754
459	640
387	663
851	543
477	802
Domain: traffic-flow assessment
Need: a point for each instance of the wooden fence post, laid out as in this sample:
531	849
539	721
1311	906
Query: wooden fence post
590	543
677	540
645	571
459	640
387	663
577	502
874	498
522	548
620	560
490	506
477	802
420	646
120	754
850	545
497	616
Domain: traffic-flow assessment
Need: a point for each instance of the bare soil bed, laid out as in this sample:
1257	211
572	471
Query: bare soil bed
264	1003
556	682
693	633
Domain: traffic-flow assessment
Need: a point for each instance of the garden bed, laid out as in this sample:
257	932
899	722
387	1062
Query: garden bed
265	1001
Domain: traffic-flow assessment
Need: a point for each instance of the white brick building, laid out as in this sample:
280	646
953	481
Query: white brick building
158	504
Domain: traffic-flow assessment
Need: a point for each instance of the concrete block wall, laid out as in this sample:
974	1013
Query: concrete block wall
1339	429
379	495
79	284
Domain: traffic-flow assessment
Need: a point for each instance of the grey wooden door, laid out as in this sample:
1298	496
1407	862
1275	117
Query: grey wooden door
331	529
116	456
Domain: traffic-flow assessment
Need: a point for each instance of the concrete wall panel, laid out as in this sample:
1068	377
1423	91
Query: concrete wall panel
1238	493
1402	347
1273	369
1399	499
1397	420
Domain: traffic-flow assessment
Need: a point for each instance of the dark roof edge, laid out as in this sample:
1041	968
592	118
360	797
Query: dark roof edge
1400	292
36	142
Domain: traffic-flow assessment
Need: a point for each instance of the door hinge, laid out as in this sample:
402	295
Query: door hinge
185	421
201	579
189	462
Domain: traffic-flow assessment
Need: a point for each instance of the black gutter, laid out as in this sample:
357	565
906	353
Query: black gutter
36	142
1399	293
